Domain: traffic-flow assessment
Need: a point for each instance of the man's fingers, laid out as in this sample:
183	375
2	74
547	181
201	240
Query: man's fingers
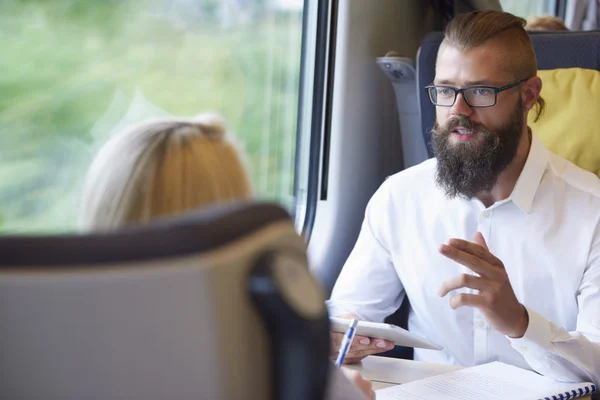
355	355
480	240
470	261
360	342
363	340
336	340
353	360
463	281
466	299
359	349
476	250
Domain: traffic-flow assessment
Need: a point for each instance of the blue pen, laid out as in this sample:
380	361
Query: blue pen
346	342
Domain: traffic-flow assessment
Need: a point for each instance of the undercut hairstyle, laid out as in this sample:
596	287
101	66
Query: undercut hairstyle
473	29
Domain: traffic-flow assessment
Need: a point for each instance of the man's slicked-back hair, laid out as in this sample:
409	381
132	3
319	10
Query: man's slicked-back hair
473	29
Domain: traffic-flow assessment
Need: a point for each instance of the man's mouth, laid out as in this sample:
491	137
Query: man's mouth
463	131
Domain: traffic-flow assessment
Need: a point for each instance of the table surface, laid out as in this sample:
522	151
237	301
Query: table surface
385	371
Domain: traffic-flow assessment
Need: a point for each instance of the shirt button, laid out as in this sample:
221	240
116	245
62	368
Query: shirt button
481	324
523	349
485	214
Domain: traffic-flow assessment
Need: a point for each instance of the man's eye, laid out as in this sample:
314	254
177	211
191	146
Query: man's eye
444	92
483	91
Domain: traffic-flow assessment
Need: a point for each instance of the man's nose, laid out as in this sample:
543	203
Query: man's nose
460	106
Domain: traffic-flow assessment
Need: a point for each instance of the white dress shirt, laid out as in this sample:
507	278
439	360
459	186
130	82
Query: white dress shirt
547	234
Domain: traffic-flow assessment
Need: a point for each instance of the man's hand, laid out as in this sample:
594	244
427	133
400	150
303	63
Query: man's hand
361	346
496	299
364	385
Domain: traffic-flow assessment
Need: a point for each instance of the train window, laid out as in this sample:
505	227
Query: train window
526	8
76	71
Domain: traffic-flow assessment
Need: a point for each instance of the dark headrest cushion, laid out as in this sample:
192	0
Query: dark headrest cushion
192	233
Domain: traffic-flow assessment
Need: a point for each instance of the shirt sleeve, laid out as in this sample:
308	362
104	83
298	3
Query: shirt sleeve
568	356
368	284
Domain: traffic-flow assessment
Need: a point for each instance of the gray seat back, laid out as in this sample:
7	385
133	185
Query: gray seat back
159	311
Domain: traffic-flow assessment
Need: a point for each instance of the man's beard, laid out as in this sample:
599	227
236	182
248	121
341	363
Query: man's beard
471	167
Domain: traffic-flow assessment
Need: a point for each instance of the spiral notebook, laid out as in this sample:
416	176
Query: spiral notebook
493	381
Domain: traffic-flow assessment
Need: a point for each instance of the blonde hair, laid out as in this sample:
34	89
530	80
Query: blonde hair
160	168
473	29
545	23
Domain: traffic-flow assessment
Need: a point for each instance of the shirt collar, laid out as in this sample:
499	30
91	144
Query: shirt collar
531	176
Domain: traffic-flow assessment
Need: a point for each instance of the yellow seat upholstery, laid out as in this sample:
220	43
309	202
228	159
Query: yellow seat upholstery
570	125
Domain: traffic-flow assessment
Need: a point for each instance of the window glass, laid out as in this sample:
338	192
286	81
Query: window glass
74	72
526	8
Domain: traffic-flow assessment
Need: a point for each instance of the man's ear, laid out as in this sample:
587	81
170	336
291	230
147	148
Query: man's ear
532	88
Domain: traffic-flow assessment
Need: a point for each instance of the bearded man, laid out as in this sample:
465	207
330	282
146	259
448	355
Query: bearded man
496	240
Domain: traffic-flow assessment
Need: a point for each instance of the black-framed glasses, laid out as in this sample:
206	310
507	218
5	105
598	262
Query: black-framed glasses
475	96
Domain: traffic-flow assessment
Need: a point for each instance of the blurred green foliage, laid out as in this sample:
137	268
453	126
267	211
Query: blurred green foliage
74	71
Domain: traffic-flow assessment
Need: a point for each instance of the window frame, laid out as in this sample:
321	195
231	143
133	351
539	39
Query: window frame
315	99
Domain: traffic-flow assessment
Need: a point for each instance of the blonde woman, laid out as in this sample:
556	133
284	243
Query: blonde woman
545	23
161	168
169	166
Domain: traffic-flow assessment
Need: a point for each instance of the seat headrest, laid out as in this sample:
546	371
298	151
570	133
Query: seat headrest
572	95
196	232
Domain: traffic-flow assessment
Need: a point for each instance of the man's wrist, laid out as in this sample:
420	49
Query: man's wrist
522	325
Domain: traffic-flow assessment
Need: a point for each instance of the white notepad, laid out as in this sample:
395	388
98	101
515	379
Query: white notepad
493	381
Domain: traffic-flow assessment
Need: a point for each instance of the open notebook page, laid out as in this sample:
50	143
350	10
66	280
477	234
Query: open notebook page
493	381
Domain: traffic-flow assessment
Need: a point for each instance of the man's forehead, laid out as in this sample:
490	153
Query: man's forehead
484	64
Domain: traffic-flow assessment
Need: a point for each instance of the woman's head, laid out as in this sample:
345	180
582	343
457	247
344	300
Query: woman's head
160	168
545	23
